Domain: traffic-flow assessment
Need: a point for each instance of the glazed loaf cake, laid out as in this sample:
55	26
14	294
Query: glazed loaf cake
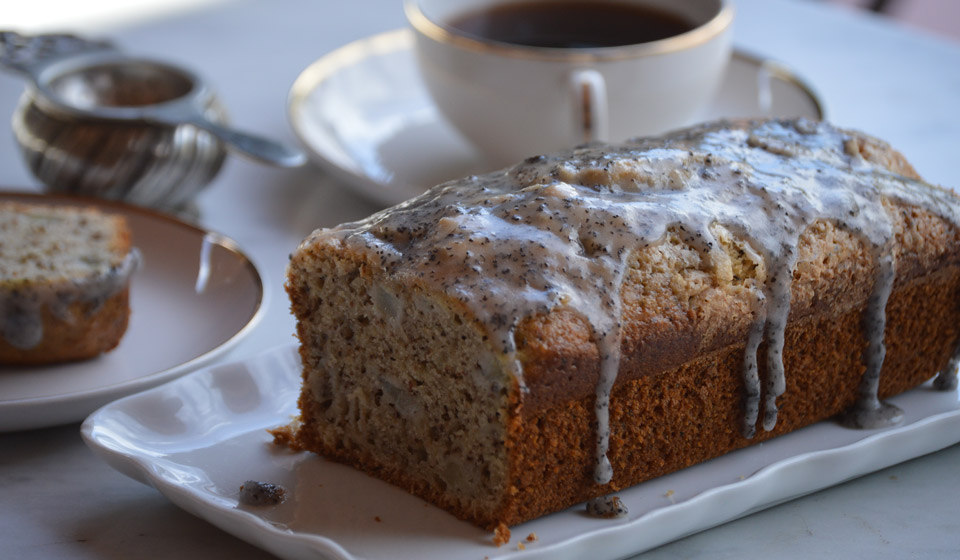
509	345
64	282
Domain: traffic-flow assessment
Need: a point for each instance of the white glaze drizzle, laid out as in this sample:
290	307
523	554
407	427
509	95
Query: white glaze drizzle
778	310
947	378
557	232
751	371
869	412
21	308
607	507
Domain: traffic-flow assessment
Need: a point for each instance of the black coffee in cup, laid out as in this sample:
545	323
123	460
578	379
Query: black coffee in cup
571	24
520	77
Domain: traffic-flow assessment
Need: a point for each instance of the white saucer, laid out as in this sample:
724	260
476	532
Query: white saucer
194	298
363	113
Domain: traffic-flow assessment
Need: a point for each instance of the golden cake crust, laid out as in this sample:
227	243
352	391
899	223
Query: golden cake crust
679	393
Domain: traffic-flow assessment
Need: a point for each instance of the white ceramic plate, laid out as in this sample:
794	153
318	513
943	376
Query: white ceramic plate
198	438
363	113
174	326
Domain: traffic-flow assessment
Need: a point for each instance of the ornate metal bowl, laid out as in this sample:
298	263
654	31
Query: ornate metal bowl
95	121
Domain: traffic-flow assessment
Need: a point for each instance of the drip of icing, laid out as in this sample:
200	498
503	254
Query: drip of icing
776	326
869	412
558	232
609	346
751	373
607	507
21	309
256	493
947	378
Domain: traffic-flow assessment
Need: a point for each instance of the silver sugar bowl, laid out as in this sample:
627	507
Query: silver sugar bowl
94	121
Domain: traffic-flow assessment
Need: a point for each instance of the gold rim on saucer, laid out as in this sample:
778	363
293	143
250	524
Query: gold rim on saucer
336	159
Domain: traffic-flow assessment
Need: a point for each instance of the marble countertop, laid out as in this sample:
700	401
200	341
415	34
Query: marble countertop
59	501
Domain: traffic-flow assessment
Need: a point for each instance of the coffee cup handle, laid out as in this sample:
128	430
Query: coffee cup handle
590	114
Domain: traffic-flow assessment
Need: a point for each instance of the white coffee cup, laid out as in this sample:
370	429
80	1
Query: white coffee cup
512	100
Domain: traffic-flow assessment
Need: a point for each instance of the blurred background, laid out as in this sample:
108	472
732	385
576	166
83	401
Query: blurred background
56	15
938	16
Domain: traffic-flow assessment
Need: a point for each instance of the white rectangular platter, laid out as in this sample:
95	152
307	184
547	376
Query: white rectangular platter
198	438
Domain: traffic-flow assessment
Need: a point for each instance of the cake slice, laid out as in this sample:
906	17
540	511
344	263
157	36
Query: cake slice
64	282
509	345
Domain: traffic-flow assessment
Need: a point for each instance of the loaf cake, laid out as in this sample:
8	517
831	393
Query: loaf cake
509	345
64	282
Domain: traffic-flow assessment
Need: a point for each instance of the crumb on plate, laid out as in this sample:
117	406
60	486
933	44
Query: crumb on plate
501	535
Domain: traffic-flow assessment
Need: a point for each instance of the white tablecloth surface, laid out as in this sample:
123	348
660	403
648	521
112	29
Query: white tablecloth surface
58	501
